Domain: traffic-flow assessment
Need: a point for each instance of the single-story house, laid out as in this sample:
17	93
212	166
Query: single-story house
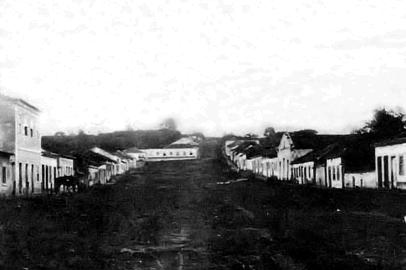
390	163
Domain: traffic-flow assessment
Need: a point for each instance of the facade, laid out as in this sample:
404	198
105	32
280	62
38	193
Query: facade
351	164
135	153
49	171
390	164
20	147
167	154
335	172
66	166
303	172
288	151
113	166
270	167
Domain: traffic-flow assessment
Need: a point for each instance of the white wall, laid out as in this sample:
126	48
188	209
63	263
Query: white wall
335	172
362	180
394	153
162	154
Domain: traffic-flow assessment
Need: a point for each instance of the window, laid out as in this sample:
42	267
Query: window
26	131
177	153
191	154
157	153
4	175
32	132
170	153
401	165
334	173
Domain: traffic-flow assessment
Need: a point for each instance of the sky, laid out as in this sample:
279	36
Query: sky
218	66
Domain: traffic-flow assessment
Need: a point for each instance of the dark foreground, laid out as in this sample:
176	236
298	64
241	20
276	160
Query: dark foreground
175	216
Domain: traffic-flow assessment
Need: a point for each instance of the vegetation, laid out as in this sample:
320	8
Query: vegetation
384	124
76	144
173	215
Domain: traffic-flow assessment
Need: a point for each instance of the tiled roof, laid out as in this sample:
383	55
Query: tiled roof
243	146
317	156
307	140
180	146
393	141
133	150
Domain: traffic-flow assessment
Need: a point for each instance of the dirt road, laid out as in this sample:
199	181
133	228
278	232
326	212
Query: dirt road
195	215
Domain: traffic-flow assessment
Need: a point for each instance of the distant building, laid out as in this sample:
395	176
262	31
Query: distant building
66	165
20	147
183	149
135	153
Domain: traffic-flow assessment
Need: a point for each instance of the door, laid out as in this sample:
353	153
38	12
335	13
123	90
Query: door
27	183
32	178
13	177
393	172
20	177
379	164
386	172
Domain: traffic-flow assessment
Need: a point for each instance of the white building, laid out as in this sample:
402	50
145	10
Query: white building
49	171
390	164
20	147
135	153
182	149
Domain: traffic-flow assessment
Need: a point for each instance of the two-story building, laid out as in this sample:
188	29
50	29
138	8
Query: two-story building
20	147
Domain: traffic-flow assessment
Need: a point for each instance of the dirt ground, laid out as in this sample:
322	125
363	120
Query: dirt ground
192	215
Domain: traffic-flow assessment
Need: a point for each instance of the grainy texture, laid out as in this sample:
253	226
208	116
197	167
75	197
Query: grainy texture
174	215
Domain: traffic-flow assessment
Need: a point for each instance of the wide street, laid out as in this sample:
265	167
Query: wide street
195	215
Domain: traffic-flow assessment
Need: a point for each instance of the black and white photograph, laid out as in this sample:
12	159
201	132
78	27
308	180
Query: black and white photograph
202	135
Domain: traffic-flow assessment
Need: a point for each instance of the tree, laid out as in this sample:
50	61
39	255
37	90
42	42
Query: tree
60	134
168	123
385	123
269	132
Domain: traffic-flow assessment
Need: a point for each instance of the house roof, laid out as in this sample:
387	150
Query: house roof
46	153
19	100
104	153
254	151
180	146
122	155
186	140
234	144
94	159
269	152
317	156
392	141
357	154
243	146
132	150
309	140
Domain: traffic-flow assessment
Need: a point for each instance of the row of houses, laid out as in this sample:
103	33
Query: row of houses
26	168
334	161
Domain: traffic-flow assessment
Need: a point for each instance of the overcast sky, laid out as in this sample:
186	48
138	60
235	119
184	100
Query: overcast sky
216	66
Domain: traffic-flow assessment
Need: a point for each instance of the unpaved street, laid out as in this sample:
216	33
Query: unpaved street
199	215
